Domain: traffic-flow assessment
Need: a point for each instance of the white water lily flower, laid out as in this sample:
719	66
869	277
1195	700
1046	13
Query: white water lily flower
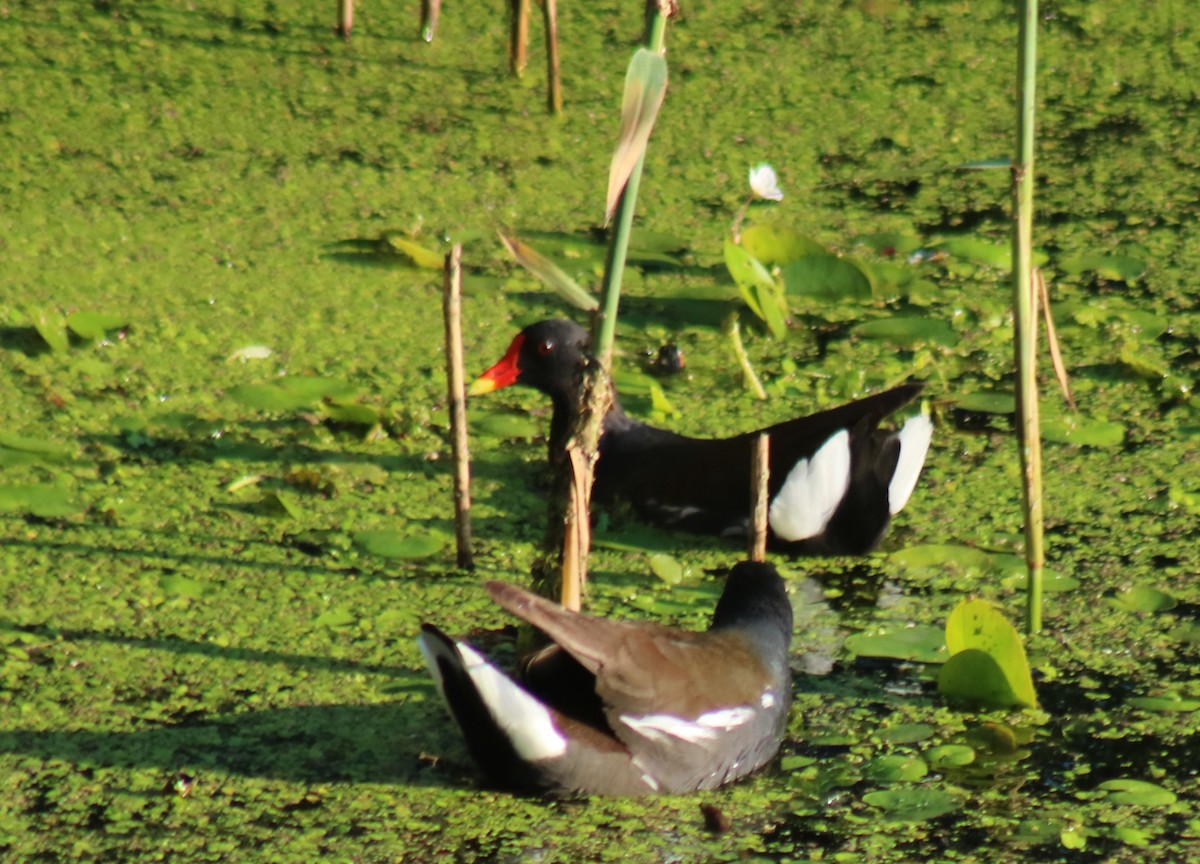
764	183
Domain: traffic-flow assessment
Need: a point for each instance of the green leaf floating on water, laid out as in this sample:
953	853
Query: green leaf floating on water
906	733
1118	268
50	451
895	768
182	586
336	618
1137	792
912	805
52	327
666	568
921	644
94	326
38	499
987	665
908	330
955	755
774	245
978	251
392	544
1053	582
987	403
1170	704
1071	429
506	427
827	277
292	393
1142	598
352	413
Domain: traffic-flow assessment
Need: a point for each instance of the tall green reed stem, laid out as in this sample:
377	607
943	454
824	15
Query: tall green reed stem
568	537
1028	431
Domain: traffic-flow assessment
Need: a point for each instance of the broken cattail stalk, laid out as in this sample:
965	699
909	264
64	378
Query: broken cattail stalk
457	403
760	476
518	36
553	77
430	10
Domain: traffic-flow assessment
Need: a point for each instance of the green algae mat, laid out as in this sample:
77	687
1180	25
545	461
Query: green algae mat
224	456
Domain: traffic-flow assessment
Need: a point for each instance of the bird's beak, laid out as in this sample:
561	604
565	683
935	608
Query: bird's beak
503	374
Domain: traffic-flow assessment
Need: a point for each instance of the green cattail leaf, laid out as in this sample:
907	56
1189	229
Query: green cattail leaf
549	273
645	87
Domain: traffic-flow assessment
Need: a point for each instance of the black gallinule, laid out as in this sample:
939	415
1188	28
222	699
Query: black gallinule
836	479
625	707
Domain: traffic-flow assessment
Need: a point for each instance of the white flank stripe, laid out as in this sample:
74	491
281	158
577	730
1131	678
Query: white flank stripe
812	491
707	727
428	647
914	444
524	719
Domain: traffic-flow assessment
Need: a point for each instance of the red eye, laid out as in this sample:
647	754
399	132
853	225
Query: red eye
545	347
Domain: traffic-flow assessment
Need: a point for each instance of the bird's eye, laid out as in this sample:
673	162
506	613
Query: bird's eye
545	347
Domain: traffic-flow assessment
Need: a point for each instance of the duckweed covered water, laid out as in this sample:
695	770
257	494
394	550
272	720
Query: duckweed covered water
224	415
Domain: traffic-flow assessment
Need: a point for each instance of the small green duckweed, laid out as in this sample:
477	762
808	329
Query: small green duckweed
224	457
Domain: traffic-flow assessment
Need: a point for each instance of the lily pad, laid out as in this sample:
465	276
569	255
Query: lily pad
1170	704
1139	793
182	586
393	544
336	618
42	500
908	330
894	768
955	755
50	451
795	762
975	677
776	245
987	664
1142	598
907	733
978	251
506	427
1117	268
666	568
352	414
922	644
94	326
1053	582
1082	432
827	277
912	805
987	403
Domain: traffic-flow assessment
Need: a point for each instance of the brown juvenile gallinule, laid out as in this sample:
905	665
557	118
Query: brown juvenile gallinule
625	707
836	478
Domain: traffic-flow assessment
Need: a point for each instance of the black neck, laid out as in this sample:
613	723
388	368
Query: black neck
755	600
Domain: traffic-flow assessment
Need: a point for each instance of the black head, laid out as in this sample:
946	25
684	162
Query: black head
755	600
547	356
